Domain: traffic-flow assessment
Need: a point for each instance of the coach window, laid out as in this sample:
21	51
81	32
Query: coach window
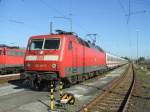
10	53
0	52
21	54
16	53
70	45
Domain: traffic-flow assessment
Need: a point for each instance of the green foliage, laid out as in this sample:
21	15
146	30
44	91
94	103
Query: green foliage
148	105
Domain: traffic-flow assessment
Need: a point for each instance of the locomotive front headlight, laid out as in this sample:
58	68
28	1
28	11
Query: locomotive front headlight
54	65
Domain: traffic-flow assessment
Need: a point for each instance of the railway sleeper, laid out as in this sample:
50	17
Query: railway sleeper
110	101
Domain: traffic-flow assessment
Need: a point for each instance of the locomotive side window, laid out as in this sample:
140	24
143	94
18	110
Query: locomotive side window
0	52
19	53
36	44
11	53
70	45
52	44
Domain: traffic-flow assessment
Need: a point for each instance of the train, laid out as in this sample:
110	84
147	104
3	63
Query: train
11	59
65	56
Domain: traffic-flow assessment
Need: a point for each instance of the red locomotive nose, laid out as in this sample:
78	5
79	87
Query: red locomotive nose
43	54
40	57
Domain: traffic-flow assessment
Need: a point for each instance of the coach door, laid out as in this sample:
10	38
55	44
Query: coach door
74	57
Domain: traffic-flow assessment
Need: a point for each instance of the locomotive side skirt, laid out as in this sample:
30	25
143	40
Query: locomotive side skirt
2	65
80	70
68	72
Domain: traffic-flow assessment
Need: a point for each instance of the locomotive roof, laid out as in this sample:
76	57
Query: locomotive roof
6	46
89	44
81	41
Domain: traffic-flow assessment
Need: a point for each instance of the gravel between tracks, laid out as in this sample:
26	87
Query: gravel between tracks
112	99
140	99
20	99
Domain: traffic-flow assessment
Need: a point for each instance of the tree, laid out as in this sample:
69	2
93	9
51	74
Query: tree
141	60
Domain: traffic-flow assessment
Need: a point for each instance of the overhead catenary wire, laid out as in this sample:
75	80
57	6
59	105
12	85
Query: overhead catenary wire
46	5
122	6
12	20
128	15
142	2
61	14
18	22
15	21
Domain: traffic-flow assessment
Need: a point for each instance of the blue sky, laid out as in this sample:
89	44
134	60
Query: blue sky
20	19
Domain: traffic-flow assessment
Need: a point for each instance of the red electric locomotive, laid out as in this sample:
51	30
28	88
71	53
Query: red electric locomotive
11	59
61	56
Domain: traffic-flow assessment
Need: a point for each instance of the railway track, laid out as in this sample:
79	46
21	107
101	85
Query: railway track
10	77
25	99
116	95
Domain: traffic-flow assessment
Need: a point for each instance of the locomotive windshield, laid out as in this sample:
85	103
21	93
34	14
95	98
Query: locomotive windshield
36	44
51	44
44	44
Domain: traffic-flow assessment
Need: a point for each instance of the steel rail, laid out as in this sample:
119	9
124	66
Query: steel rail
129	93
113	84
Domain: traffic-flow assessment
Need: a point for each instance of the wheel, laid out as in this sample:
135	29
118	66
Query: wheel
80	78
66	83
73	79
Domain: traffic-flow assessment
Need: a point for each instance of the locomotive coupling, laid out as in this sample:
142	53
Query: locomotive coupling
39	75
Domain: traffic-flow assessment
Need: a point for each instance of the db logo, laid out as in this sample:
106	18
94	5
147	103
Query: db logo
41	52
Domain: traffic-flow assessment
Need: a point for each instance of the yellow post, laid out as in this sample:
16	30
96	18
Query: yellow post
52	97
60	89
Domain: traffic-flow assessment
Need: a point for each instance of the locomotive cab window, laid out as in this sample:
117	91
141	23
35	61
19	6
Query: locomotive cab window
1	52
70	45
45	44
52	44
36	44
